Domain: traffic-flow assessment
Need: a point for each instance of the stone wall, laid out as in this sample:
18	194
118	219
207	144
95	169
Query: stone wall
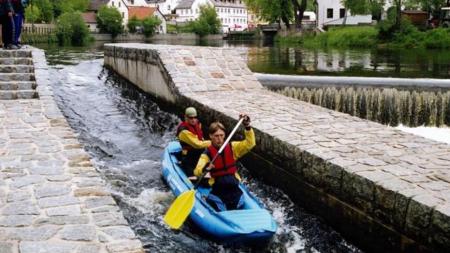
384	189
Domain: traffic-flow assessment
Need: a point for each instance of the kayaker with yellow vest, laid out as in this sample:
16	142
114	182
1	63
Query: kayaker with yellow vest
225	193
190	135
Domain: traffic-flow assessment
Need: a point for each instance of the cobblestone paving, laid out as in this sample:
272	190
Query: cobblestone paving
398	178
51	198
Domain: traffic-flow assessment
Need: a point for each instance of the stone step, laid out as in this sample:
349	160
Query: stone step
16	61
16	68
26	85
14	77
18	94
15	53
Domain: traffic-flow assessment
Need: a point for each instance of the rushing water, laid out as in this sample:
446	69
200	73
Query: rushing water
125	133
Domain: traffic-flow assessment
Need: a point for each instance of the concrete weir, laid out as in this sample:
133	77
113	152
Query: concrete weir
386	190
52	200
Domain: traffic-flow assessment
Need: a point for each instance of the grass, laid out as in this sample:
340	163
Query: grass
408	36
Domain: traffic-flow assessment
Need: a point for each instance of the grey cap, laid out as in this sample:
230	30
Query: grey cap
190	112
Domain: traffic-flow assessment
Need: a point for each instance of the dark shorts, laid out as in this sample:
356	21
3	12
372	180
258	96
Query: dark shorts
227	189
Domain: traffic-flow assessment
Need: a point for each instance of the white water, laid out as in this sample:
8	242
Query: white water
441	134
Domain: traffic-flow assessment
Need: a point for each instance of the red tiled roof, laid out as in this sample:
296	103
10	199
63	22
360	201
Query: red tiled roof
89	17
140	12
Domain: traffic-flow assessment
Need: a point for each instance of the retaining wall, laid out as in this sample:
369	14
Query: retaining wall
384	189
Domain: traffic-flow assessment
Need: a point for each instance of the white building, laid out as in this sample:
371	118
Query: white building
189	10
333	13
232	13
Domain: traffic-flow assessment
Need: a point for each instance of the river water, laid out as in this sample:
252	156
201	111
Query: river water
125	133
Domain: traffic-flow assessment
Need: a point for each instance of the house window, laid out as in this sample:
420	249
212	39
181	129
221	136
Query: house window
341	12
119	4
132	1
168	7
112	3
329	13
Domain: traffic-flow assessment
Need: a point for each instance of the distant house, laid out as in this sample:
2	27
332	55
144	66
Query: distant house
167	7
143	12
333	13
418	18
90	18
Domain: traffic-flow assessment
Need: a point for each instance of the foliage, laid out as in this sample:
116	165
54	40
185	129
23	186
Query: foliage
71	29
110	20
133	23
437	38
208	21
46	8
62	6
387	106
33	14
357	7
355	36
272	11
149	24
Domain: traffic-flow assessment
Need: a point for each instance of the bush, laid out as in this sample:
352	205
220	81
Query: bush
149	24
437	38
71	29
133	23
110	20
350	36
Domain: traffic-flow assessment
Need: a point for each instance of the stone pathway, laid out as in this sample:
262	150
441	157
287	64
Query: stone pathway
51	197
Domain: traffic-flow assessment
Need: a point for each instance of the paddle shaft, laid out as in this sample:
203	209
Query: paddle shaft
218	153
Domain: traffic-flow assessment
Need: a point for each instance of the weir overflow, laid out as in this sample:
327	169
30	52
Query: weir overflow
382	188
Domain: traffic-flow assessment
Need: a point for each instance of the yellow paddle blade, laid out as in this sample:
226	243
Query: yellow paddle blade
180	209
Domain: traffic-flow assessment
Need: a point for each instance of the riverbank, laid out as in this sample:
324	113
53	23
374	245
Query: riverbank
372	36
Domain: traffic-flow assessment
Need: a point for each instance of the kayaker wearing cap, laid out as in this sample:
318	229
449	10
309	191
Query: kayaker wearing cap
225	193
190	135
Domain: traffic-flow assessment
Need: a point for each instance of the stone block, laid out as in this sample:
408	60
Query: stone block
78	233
358	190
128	246
74	210
57	201
439	235
418	217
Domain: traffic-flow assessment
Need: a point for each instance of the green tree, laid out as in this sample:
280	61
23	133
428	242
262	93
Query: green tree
133	23
110	20
71	29
272	11
33	14
208	21
149	24
46	8
63	6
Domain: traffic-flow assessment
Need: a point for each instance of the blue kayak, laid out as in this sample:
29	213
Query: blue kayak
251	224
